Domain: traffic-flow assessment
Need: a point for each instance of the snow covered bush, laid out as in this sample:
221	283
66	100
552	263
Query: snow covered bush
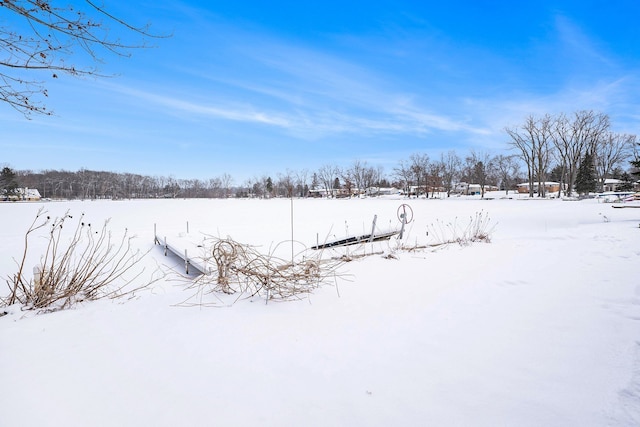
86	265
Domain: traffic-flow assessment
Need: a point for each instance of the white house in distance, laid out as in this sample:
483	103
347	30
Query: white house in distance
471	189
611	184
28	194
382	191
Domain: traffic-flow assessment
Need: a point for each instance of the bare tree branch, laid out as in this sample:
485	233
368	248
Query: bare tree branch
52	37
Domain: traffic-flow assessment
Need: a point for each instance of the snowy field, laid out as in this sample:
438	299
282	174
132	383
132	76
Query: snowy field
539	327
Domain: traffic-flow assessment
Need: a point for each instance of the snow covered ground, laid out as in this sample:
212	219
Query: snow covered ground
540	327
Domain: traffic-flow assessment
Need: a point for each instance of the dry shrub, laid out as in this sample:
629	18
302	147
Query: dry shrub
477	229
241	269
89	266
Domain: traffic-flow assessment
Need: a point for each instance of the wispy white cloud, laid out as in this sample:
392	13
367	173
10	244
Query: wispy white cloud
315	118
314	93
176	105
578	44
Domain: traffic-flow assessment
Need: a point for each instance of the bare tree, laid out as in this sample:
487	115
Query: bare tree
466	170
369	178
522	141
419	167
542	135
215	187
347	184
435	174
226	181
610	151
302	186
285	184
356	173
198	188
480	169
506	168
54	35
328	174
533	141
543	140
172	188
244	189
575	136
404	174
450	169
258	186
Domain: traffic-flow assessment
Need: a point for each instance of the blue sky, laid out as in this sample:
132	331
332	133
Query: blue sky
254	88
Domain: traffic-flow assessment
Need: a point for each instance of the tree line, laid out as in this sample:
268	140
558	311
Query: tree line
578	150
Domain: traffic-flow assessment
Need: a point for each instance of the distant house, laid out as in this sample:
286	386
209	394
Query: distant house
472	189
337	193
460	188
321	192
611	184
414	190
549	187
28	194
382	191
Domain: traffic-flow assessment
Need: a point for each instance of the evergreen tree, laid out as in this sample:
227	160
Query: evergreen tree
8	182
269	186
335	187
586	176
636	166
627	183
556	173
315	182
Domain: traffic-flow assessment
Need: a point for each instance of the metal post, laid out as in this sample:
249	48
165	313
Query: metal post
373	228
403	216
292	253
